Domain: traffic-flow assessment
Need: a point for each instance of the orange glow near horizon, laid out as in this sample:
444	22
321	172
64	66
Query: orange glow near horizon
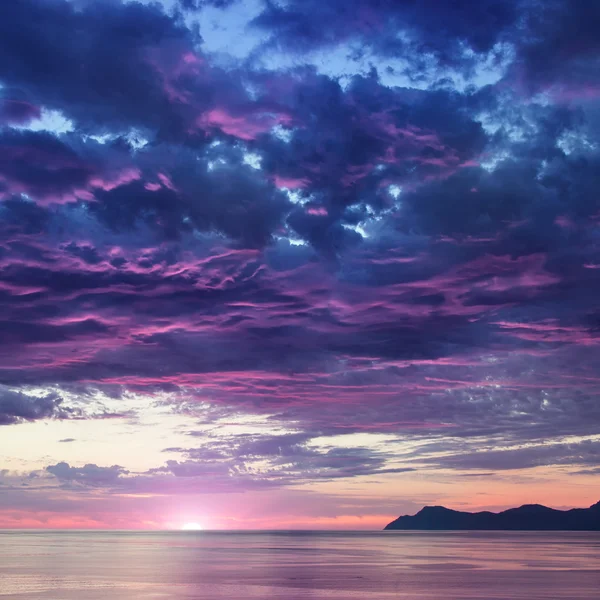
323	506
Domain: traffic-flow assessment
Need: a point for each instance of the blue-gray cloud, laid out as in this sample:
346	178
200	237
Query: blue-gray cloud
348	255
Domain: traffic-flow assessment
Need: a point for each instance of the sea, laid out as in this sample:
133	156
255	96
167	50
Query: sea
293	565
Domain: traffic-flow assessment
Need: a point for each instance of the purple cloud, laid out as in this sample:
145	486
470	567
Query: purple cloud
222	238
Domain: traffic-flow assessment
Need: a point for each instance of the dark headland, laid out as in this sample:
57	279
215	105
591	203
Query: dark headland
531	517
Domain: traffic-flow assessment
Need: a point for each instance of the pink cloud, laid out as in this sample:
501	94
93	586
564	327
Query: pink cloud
574	93
110	183
318	211
290	182
190	58
176	68
550	331
246	127
564	222
166	181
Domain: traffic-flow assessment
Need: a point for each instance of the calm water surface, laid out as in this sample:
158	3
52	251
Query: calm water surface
299	565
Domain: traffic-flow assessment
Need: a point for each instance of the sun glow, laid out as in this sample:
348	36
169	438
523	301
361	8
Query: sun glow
192	527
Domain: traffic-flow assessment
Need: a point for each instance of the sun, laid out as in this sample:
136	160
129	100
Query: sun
192	527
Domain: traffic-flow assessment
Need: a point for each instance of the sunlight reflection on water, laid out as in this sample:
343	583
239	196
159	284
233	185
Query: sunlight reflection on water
297	566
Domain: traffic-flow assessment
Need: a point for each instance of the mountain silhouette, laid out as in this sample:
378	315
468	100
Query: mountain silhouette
531	517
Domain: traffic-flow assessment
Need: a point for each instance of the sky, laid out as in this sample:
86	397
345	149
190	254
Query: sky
297	263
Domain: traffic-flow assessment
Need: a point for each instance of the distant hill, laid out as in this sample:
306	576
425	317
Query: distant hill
531	517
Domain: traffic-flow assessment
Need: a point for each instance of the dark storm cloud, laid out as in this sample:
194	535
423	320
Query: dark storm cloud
553	45
16	407
20	216
350	257
369	137
406	28
39	164
232	199
149	80
560	51
17	112
116	84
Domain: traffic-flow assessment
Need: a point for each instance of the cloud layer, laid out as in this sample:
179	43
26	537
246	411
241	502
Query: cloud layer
407	250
